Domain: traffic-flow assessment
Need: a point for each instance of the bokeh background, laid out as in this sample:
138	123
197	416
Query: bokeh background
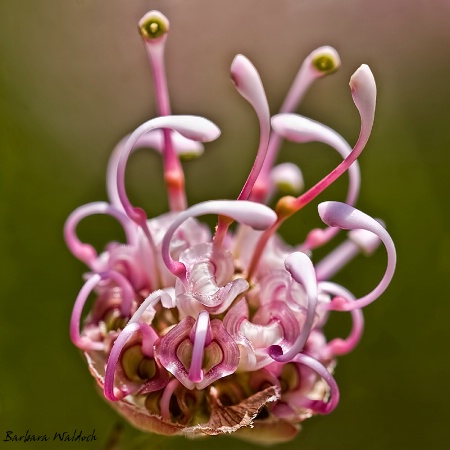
74	79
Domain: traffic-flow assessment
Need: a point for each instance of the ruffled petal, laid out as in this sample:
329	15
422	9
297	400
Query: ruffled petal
175	352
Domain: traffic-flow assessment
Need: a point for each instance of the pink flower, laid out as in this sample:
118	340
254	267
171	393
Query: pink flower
198	334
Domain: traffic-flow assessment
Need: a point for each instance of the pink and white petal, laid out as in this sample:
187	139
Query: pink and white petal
167	351
229	355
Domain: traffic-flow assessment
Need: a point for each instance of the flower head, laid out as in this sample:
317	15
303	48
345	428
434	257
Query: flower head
198	334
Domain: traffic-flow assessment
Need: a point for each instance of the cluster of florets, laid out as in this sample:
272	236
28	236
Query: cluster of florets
199	334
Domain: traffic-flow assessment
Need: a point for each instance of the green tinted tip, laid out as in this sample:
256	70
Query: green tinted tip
153	25
286	188
325	60
324	63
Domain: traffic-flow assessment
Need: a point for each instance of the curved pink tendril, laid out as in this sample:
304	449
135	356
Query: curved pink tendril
302	270
165	399
248	83
85	252
363	90
302	130
340	346
341	215
150	302
359	241
125	307
172	167
149	336
153	139
192	127
249	213
155	51
305	77
320	406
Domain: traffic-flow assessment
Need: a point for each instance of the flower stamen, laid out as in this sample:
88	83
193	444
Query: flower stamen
202	338
346	217
125	306
149	337
340	346
248	83
359	241
185	148
363	91
253	214
320	62
302	270
85	252
154	28
302	130
320	406
192	127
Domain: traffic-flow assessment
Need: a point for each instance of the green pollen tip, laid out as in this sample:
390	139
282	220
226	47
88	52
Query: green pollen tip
286	188
324	63
188	156
152	28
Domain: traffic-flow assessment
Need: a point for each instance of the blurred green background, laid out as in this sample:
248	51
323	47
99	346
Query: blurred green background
74	79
